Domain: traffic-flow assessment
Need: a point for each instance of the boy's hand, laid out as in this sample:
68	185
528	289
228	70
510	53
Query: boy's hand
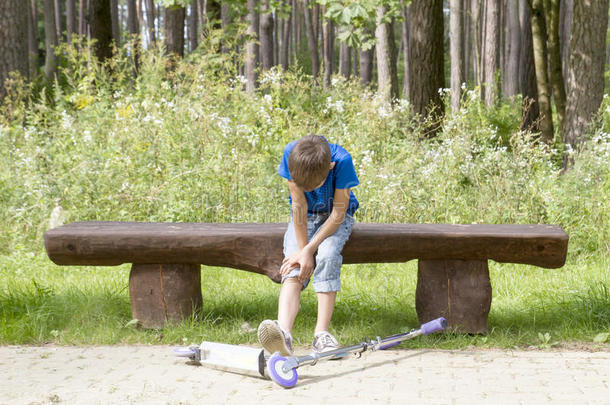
303	259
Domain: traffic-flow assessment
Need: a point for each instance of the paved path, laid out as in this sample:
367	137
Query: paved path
150	375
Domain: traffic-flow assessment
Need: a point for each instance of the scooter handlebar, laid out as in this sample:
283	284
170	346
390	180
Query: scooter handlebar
436	325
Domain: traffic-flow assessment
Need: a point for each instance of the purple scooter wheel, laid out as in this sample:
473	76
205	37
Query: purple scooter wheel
285	379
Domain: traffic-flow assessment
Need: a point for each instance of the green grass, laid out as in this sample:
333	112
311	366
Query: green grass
190	145
42	302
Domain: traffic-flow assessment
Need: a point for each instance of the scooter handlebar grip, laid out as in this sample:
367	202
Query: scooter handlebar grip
436	325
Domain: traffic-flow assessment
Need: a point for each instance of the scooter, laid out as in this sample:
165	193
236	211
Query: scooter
283	370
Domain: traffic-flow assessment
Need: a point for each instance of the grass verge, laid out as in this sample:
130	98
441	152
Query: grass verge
42	303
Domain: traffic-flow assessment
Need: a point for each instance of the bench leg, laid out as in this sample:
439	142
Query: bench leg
164	292
459	290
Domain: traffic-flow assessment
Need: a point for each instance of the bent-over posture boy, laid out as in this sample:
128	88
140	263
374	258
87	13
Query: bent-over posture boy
320	175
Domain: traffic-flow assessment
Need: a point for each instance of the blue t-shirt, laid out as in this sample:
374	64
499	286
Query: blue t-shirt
342	176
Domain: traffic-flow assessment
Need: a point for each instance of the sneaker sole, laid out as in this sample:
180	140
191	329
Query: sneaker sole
272	339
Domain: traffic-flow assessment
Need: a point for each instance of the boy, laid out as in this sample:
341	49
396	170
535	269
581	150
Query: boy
320	176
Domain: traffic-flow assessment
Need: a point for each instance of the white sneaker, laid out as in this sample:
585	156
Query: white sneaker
274	339
324	342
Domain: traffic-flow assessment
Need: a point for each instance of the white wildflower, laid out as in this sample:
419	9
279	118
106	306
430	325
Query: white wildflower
333	106
272	76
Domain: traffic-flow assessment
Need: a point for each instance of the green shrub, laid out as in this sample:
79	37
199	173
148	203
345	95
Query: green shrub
184	142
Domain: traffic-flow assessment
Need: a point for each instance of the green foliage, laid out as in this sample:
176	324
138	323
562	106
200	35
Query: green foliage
174	3
355	19
188	144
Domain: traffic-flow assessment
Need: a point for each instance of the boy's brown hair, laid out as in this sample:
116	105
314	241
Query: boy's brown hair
309	161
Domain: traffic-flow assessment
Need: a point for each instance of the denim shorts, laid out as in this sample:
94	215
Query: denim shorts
328	257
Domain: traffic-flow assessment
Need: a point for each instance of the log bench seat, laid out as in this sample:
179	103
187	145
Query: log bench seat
165	279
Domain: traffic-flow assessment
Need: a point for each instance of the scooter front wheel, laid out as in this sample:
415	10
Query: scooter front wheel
277	374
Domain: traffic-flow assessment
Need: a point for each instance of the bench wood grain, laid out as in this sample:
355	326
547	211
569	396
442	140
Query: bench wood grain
457	254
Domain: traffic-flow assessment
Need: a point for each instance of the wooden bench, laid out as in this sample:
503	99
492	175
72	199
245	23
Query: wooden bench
165	279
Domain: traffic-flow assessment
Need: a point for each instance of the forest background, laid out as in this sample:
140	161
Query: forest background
461	111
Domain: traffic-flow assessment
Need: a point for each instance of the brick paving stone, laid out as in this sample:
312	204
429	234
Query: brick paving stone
150	375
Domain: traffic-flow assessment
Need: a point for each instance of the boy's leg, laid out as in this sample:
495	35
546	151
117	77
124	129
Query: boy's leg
326	306
326	279
289	303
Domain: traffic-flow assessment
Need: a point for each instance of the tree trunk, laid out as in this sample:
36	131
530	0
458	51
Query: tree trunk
491	55
585	78
101	28
456	52
132	17
559	92
405	54
566	9
295	31
266	35
174	30
226	19
366	66
277	28
285	43
13	39
70	19
327	46
467	27
50	39
58	22
193	26
252	46
513	45
476	40
114	16
527	73
316	21
539	37
150	22
312	42
133	28
387	78
32	38
82	17
344	60
426	58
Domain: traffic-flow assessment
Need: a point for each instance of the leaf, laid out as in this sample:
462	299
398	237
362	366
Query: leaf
601	337
346	16
133	322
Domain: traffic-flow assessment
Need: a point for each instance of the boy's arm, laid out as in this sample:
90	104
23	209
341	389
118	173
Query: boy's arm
299	213
304	257
332	223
